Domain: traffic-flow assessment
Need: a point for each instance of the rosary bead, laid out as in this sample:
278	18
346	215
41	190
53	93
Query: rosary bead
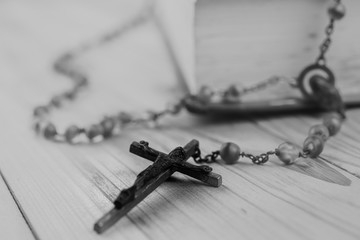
56	101
82	81
231	95
230	152
40	111
39	126
71	133
333	123
320	130
313	145
287	152
204	95
50	131
108	125
70	94
124	117
94	131
337	11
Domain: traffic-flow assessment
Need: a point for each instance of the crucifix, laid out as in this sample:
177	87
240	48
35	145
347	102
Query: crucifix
149	179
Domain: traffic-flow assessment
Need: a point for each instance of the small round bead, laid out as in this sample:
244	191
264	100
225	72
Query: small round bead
108	125
94	131
82	81
50	131
287	152
40	111
70	94
337	11
230	152
39	126
124	117
333	123
231	95
320	130
56	101
205	94
71	133
313	145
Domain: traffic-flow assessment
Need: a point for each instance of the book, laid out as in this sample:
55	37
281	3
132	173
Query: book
242	42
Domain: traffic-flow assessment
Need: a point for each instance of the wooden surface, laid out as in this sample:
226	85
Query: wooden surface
58	191
13	223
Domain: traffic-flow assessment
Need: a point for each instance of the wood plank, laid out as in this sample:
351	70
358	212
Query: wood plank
64	189
12	222
82	181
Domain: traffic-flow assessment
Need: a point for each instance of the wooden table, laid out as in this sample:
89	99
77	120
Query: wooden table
58	191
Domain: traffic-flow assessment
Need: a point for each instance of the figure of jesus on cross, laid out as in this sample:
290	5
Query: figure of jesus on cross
149	179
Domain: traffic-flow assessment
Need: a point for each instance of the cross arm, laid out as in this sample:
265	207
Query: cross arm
142	149
202	173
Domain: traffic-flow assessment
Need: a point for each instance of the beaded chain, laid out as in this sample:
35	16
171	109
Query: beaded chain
113	125
321	90
323	93
287	152
110	125
233	94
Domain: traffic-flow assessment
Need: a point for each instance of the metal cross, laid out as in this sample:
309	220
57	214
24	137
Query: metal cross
148	180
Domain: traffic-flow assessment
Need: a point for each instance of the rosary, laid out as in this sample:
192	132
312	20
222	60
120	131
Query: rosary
316	83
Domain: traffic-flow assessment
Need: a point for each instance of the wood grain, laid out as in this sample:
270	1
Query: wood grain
64	189
12	222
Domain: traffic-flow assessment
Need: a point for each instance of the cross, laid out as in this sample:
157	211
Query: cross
149	179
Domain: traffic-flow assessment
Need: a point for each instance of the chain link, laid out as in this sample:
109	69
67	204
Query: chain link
209	158
324	47
212	157
258	159
233	93
267	83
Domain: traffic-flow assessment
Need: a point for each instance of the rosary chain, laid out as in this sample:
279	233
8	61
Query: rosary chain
271	81
233	94
267	83
212	157
288	152
110	125
258	159
209	158
324	47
